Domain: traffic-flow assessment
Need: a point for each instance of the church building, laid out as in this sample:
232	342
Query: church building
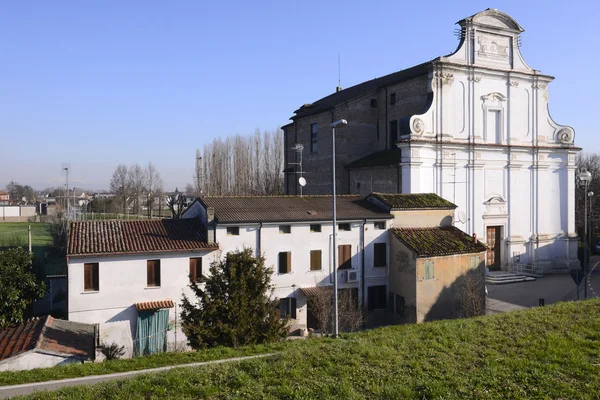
472	126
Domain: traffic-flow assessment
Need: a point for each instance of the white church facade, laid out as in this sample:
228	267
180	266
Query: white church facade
473	127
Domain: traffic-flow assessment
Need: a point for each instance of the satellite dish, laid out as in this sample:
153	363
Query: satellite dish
302	181
462	217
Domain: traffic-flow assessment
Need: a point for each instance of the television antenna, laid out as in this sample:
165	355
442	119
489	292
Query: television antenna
64	170
299	148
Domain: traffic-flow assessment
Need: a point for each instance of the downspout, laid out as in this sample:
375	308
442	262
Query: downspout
260	224
362	264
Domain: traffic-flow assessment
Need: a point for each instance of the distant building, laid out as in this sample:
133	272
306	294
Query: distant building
46	342
473	127
4	197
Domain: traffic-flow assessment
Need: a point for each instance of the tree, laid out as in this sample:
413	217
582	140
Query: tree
234	305
119	185
19	192
154	187
20	285
136	176
350	315
591	162
176	204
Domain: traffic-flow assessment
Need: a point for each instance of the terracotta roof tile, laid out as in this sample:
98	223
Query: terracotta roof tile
49	334
154	305
233	209
144	236
439	241
412	201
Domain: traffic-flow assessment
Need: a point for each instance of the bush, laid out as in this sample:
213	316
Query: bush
112	351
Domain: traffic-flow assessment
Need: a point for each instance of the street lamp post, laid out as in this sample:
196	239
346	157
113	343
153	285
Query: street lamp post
585	176
340	123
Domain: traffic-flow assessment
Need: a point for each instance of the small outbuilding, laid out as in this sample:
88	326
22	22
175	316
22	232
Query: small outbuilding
46	342
436	273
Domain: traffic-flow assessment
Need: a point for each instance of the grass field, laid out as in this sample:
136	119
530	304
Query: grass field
40	233
551	352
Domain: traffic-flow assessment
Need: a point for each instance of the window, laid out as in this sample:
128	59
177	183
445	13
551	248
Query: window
393	133
379	225
91	281
428	270
400	305
392	98
345	256
377	296
315	228
373	103
285	229
195	269
494	126
153	273
314	138
285	262
287	308
380	255
315	260
344	227
233	231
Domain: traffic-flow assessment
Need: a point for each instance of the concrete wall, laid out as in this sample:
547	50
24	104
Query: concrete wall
403	279
123	282
36	359
17	213
422	218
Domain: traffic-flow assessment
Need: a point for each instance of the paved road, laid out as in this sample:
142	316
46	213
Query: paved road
552	288
20	390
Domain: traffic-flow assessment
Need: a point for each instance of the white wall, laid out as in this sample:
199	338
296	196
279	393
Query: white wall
35	359
123	282
300	242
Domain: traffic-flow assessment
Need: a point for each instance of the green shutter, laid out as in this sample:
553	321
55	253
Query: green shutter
428	272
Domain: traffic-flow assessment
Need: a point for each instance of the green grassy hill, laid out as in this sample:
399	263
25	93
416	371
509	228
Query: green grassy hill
544	353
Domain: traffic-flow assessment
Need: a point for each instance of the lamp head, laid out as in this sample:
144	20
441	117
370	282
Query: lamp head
585	175
340	123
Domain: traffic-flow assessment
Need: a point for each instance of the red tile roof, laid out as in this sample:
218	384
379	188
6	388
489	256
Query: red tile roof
144	236
59	336
154	305
438	241
240	209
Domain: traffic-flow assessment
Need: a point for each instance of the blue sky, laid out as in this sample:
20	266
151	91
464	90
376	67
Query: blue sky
98	83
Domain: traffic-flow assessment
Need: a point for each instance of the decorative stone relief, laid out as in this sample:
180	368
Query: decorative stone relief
445	77
496	205
492	45
418	126
415	153
514	83
494	97
538	85
571	158
565	135
474	78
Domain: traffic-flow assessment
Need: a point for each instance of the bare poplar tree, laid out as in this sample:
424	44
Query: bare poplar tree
154	187
119	185
137	183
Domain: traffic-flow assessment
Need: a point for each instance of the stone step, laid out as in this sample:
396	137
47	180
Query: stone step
505	278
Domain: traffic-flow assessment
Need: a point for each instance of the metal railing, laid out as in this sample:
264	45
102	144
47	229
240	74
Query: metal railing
527	269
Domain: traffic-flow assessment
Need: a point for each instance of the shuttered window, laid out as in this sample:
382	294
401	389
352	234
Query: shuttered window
345	256
315	260
377	297
91	275
195	269
153	273
285	262
428	272
379	255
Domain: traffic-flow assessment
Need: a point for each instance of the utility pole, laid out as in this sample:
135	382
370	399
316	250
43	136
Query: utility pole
29	235
66	169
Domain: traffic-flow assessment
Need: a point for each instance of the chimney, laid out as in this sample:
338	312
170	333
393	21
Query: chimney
210	224
338	89
475	238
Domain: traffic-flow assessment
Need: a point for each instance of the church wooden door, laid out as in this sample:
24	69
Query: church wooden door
493	242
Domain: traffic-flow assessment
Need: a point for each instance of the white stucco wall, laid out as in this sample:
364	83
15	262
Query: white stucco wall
35	359
123	282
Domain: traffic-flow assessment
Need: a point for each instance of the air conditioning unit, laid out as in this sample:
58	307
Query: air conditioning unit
352	276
